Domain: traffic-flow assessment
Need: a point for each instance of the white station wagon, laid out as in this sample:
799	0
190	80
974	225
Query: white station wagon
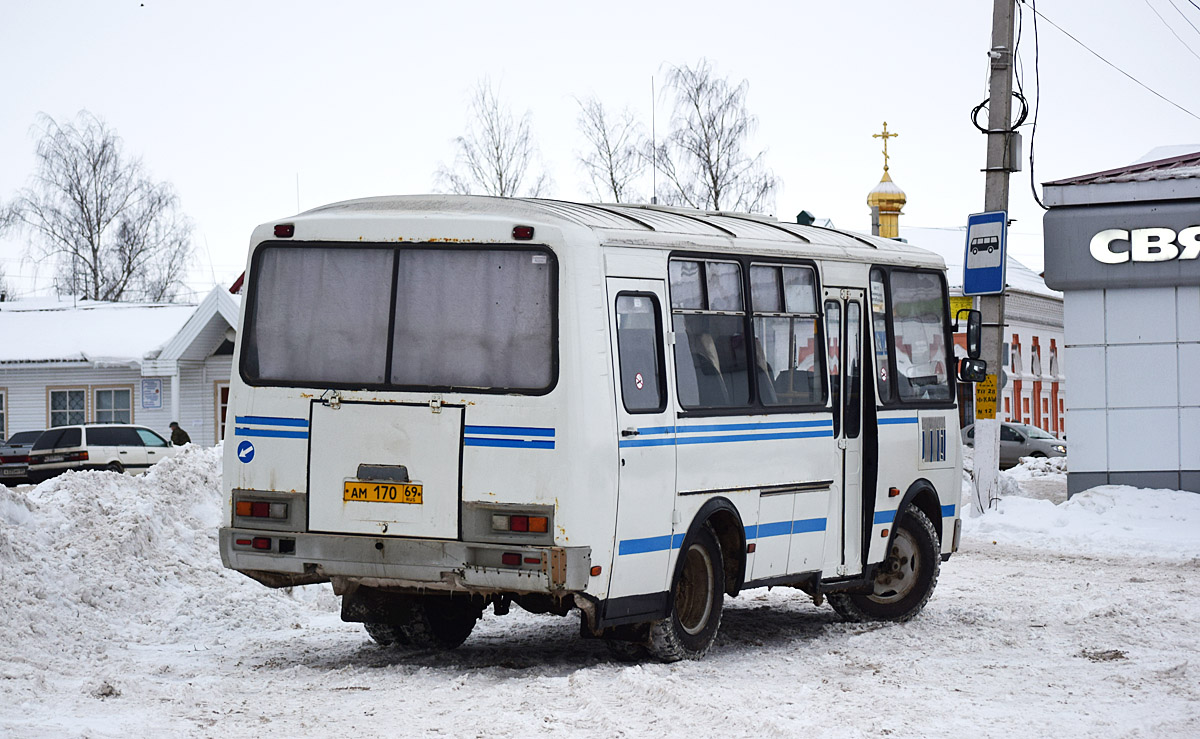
117	447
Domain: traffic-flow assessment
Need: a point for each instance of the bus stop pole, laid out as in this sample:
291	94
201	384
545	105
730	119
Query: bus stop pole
995	198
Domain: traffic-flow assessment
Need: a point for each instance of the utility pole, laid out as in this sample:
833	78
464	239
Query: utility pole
995	198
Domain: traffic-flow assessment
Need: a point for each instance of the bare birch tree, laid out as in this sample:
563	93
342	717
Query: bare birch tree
703	158
114	233
496	155
615	156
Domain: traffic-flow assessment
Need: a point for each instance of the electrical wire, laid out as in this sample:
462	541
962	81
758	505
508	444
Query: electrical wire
1096	54
1184	16
1172	30
1037	105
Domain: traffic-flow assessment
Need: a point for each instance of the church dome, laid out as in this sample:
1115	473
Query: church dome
887	195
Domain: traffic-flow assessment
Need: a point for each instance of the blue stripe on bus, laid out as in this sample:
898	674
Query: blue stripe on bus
275	433
894	421
884	517
948	511
509	430
509	443
723	438
271	421
756	426
779	528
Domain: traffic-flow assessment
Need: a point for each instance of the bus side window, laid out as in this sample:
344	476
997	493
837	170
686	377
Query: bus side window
833	340
785	335
883	346
853	370
707	315
639	337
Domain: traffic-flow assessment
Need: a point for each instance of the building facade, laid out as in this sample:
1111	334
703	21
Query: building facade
65	363
1124	247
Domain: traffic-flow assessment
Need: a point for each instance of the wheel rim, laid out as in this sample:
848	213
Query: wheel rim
897	575
693	594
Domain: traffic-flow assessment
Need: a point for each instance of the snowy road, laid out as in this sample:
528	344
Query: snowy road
1018	641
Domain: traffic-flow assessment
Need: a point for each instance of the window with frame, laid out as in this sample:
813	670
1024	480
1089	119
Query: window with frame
639	336
787	351
68	407
708	318
149	438
114	405
880	338
918	314
453	318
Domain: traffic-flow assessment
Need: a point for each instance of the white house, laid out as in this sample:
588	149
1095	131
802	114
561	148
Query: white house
64	362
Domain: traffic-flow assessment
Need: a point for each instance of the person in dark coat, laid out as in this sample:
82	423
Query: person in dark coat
179	437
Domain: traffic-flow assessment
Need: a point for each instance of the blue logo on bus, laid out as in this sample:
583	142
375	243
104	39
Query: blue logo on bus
245	451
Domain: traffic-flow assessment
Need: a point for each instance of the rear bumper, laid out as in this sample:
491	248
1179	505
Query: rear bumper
432	564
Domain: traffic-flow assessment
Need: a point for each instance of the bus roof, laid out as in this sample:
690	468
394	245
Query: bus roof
651	226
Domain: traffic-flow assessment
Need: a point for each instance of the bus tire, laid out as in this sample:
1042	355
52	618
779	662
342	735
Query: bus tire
697	595
904	580
437	622
385	635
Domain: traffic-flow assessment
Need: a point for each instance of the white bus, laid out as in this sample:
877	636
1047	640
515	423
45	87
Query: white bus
443	403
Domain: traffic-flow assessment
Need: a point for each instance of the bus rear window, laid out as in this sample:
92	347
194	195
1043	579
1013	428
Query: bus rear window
444	318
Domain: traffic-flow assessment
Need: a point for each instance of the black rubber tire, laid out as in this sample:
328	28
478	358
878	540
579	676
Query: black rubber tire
1038	455
116	467
437	622
904	580
697	595
626	651
385	635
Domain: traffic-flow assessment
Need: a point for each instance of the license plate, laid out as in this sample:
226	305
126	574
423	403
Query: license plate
12	471
383	492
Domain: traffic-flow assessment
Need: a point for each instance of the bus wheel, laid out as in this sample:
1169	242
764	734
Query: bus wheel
385	635
435	622
904	580
696	599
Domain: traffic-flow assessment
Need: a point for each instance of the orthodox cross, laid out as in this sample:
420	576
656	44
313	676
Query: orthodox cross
885	136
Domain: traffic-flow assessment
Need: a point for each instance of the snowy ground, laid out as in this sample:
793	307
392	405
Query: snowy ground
1068	620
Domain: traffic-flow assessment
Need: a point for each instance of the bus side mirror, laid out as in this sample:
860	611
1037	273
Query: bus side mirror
971	369
974	331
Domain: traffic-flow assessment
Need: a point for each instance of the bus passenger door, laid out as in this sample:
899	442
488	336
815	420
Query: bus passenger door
646	444
844	343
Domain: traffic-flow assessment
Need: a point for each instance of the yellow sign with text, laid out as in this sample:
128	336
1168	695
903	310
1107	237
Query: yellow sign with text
985	398
958	303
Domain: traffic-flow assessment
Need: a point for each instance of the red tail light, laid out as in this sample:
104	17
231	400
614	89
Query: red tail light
23	459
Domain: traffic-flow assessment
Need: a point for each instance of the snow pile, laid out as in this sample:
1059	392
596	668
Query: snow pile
1034	467
1115	520
93	560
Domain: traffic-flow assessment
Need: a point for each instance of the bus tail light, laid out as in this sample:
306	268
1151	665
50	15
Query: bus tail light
520	524
522	233
511	559
261	542
261	509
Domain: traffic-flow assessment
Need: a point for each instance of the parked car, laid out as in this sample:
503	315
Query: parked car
14	457
1021	440
117	447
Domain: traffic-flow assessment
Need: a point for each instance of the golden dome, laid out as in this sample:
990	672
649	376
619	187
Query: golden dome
887	196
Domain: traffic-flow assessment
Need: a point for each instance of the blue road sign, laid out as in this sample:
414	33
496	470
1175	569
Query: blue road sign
987	247
245	451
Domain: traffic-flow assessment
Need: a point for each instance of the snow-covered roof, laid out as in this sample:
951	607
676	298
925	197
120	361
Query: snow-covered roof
48	330
951	242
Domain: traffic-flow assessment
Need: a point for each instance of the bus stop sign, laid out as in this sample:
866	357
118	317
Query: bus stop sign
987	245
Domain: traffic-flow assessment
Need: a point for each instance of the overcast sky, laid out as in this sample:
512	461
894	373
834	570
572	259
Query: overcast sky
236	102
